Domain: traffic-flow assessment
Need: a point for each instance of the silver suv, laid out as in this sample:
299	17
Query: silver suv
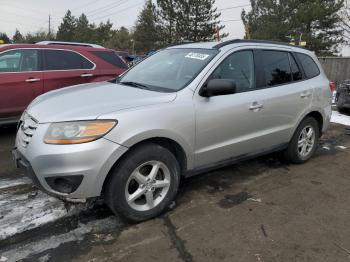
180	112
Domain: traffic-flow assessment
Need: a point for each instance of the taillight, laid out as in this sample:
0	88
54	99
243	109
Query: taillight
332	86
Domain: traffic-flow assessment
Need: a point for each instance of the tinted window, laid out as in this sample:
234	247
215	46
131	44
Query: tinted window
276	67
65	60
24	60
309	65
111	58
240	68
296	73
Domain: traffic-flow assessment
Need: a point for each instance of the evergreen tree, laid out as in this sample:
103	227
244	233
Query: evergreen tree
313	21
18	37
83	30
146	35
103	33
120	40
199	20
36	37
66	30
169	14
5	39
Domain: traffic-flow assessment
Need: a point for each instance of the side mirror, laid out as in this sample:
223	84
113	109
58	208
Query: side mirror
218	87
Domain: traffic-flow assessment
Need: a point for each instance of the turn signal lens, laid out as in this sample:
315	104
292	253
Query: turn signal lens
77	132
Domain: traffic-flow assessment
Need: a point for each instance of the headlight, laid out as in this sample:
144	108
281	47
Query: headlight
77	132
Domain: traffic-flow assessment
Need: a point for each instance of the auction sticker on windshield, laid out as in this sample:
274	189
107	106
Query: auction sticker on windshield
198	56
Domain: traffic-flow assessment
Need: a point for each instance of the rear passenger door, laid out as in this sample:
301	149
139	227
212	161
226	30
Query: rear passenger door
64	68
287	96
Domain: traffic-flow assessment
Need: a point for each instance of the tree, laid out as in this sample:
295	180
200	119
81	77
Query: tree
36	37
83	30
120	40
5	39
198	20
313	21
168	12
66	30
345	22
146	35
103	33
18	37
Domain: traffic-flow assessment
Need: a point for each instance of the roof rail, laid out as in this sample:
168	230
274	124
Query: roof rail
68	43
235	41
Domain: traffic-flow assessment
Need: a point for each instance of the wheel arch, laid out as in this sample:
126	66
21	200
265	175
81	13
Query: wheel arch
317	116
172	145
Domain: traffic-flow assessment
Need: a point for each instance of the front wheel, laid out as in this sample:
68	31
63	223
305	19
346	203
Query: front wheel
144	183
304	142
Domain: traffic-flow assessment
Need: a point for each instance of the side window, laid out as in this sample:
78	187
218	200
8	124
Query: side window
25	60
65	60
276	67
239	67
296	73
309	65
111	58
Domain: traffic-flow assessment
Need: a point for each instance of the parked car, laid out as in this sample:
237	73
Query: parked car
29	70
182	111
342	97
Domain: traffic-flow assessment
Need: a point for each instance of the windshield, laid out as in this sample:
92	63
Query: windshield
169	70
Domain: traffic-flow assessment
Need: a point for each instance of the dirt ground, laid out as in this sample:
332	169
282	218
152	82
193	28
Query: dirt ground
258	210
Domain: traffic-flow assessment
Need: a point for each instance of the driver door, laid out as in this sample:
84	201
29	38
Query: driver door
232	125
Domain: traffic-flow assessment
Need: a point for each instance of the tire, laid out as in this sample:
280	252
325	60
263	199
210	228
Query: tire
341	109
129	181
294	153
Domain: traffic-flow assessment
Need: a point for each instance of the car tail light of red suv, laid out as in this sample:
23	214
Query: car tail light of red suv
29	70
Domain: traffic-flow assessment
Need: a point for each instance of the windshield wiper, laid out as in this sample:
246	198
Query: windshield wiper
135	84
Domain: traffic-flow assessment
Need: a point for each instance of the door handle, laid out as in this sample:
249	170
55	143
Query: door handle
256	106
86	75
32	80
305	94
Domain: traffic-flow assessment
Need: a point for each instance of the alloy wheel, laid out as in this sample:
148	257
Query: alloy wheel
147	185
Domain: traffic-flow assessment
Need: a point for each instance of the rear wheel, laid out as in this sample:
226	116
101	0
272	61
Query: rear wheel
144	183
304	142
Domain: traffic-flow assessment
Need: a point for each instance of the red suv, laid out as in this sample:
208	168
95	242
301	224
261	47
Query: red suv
29	70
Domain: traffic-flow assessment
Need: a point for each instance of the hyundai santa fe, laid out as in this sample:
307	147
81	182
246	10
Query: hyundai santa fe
182	111
29	70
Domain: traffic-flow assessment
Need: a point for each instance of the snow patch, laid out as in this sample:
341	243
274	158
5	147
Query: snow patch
19	213
78	234
8	183
340	118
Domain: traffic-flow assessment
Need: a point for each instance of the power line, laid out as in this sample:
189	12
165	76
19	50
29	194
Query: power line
233	7
106	8
85	5
119	11
231	20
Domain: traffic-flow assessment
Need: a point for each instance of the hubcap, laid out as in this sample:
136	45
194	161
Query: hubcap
306	141
147	185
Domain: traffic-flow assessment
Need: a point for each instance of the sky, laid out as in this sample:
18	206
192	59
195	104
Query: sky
33	15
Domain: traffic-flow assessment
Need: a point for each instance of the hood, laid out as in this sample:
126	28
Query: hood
88	101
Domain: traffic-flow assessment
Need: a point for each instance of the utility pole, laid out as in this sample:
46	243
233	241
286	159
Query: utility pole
49	27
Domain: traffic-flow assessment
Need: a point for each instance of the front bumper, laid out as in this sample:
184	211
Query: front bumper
43	162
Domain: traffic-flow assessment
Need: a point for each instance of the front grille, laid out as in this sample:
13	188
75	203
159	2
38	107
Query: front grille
27	127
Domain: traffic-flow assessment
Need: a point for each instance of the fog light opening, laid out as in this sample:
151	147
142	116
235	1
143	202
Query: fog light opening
65	185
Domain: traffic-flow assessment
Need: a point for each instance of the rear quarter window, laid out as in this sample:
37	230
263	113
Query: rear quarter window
111	58
310	67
